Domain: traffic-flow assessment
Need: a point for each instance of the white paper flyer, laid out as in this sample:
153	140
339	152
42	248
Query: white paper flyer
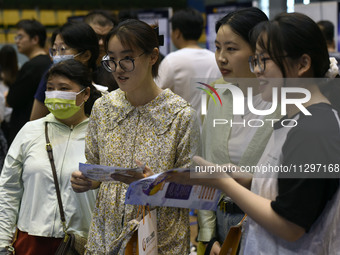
103	173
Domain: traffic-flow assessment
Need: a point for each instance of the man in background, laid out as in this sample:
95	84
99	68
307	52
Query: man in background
180	70
30	40
102	22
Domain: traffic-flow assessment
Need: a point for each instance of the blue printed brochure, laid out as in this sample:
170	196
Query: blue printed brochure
155	191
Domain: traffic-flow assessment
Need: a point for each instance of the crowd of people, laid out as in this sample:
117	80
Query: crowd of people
103	95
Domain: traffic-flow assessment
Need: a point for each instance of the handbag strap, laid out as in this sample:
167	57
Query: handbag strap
55	177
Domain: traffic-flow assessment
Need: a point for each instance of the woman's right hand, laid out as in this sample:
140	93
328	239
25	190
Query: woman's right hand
215	249
80	183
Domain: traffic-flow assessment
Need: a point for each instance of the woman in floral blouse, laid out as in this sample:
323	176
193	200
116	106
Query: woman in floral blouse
138	121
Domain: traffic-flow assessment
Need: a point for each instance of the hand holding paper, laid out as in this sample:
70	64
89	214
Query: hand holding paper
205	173
104	173
129	176
157	191
80	183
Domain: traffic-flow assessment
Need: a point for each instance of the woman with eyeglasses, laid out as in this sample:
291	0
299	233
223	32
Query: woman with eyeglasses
28	197
233	142
294	210
73	40
135	125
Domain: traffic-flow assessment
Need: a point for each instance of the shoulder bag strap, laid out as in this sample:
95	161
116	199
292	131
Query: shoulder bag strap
55	177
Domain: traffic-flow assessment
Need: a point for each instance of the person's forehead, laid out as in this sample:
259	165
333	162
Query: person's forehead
21	32
59	40
101	30
115	46
60	80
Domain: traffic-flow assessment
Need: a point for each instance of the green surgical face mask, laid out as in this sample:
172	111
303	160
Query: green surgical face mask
62	104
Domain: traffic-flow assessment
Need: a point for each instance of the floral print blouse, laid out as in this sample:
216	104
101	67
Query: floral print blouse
163	134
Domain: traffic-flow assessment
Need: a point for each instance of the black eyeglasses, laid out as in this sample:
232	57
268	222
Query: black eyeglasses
127	64
257	60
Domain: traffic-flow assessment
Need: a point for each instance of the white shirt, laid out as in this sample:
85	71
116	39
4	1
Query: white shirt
27	193
181	70
241	132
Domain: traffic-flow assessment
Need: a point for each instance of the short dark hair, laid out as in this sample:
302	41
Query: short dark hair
189	21
101	18
327	29
78	73
242	21
81	37
33	28
136	34
292	35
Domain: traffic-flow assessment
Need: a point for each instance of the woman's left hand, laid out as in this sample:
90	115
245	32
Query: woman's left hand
132	175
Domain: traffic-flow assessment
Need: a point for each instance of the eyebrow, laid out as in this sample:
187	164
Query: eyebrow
57	84
225	43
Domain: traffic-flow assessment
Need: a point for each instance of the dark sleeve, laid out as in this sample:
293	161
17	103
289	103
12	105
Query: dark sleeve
40	93
302	200
21	92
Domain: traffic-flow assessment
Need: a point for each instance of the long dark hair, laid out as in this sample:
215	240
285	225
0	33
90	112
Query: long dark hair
8	64
78	73
292	35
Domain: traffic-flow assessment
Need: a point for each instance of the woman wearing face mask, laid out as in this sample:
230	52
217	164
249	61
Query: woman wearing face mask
293	212
238	144
28	198
73	40
141	122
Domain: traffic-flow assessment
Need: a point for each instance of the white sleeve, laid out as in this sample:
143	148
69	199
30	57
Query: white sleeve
11	190
165	77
